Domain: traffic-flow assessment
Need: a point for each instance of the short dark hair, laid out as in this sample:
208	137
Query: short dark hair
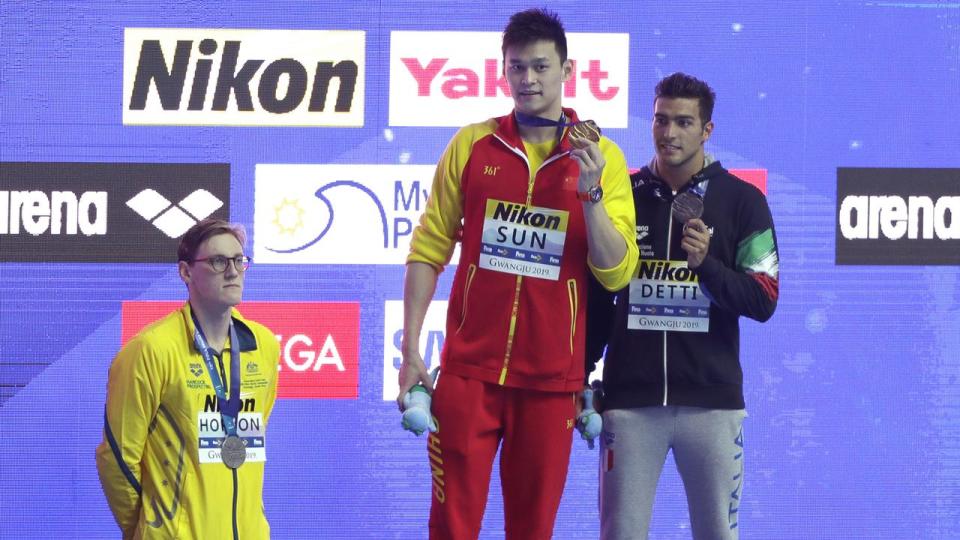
534	25
681	85
196	235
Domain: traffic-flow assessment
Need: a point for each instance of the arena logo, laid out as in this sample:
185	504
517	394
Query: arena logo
893	217
105	212
898	216
455	78
184	76
319	342
174	219
337	214
36	212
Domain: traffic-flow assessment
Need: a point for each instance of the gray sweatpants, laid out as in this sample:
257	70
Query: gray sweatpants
707	447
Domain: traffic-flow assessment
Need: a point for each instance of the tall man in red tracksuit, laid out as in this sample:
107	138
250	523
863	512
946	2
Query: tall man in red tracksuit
537	211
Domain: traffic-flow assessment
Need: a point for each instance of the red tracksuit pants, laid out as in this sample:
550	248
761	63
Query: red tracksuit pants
473	418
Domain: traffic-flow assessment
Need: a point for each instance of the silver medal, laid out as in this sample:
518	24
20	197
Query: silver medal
233	452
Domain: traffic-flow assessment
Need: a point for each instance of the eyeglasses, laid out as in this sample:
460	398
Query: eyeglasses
219	262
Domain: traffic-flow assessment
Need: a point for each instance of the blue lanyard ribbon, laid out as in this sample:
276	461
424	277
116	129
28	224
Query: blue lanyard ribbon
229	408
538	121
698	188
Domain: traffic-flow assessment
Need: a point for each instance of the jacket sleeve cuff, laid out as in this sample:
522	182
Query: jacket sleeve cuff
709	269
615	278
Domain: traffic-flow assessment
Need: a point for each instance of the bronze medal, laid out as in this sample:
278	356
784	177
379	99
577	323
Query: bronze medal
686	206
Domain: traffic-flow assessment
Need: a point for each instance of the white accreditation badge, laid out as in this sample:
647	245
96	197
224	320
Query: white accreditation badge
666	295
523	240
250	430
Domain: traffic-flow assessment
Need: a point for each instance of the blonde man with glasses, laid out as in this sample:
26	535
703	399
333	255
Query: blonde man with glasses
188	400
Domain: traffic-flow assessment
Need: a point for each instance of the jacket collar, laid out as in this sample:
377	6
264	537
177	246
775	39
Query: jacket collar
248	342
508	130
646	179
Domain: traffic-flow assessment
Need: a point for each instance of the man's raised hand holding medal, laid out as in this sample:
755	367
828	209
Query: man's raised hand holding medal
585	139
606	248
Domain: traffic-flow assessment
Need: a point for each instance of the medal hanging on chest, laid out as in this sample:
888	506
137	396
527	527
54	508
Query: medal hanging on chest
233	452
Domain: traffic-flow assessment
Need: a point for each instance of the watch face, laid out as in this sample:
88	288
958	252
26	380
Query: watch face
596	193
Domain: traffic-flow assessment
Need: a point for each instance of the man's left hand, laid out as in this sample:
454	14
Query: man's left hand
696	242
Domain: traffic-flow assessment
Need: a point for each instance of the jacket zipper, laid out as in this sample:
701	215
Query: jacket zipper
516	293
669	245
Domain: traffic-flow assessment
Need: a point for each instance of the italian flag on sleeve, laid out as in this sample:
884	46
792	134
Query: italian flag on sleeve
757	256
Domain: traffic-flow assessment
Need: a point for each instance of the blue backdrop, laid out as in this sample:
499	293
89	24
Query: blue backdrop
853	388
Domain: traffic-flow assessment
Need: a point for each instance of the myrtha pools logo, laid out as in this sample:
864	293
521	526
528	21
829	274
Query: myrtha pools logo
338	214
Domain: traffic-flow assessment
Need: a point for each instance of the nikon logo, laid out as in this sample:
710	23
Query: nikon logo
666	271
522	215
894	217
898	216
243	77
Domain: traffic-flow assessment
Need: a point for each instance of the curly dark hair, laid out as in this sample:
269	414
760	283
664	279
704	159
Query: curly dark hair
681	85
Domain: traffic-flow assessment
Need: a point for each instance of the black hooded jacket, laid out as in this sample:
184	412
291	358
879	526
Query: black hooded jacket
740	276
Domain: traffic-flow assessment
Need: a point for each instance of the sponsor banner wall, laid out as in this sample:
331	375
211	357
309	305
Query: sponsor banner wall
456	78
105	212
898	216
223	77
319	342
317	126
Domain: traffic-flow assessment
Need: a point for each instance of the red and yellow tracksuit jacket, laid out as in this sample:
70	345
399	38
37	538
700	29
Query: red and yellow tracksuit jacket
159	402
517	330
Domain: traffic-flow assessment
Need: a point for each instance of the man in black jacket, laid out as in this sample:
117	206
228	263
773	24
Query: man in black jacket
672	375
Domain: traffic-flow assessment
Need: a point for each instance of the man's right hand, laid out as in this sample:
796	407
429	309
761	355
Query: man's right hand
412	372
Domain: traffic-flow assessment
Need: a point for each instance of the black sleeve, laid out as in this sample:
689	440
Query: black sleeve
600	315
751	287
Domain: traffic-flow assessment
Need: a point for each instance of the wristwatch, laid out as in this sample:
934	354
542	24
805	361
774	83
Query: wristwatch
592	195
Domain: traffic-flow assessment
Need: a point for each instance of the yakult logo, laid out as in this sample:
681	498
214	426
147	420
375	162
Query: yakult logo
338	214
319	342
898	216
455	78
243	77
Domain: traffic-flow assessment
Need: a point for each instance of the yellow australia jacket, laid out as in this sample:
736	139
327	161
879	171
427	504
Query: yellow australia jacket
159	461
